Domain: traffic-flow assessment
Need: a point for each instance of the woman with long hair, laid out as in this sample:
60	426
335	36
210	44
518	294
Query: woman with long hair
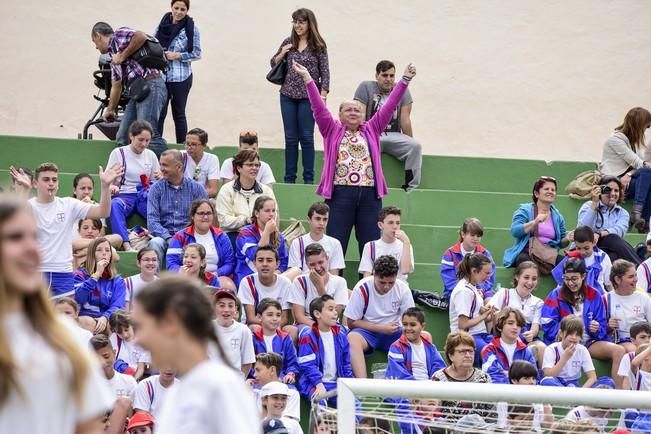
262	232
173	320
305	46
48	383
179	36
625	156
99	289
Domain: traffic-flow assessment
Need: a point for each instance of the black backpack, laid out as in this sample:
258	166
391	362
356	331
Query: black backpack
151	55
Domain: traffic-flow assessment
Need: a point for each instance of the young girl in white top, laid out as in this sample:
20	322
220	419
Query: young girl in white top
140	167
521	297
37	344
173	317
147	260
199	165
625	305
467	310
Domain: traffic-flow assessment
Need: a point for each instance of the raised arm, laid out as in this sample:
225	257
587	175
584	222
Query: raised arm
107	178
381	118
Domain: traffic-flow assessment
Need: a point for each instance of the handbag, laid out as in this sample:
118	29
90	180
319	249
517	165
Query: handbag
541	254
138	89
151	55
294	230
278	73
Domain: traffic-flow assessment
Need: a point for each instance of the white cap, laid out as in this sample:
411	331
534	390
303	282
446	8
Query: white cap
274	388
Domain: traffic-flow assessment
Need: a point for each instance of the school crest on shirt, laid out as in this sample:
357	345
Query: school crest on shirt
637	310
396	304
576	364
235	343
61	217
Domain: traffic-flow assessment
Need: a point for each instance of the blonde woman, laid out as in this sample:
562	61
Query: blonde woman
48	384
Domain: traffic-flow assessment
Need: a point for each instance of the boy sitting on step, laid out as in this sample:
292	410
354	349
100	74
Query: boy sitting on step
640	335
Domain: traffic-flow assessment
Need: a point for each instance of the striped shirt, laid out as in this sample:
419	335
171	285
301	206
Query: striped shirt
118	43
180	70
168	206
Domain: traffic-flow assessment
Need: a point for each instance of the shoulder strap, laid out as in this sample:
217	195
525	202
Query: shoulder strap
124	166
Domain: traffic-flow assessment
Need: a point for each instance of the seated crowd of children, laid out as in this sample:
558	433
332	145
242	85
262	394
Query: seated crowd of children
289	322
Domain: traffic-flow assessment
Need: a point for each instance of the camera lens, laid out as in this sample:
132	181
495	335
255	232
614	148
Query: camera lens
605	189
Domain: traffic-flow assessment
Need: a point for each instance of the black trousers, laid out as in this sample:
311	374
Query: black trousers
616	248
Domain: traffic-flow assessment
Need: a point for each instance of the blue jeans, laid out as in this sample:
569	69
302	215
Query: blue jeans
639	190
354	206
177	95
148	110
122	207
298	123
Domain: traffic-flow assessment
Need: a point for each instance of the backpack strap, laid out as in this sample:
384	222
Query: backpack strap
124	166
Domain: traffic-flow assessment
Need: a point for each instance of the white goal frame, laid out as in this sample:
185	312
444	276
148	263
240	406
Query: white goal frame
349	388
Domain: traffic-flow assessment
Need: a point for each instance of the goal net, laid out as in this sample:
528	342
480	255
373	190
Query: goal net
371	406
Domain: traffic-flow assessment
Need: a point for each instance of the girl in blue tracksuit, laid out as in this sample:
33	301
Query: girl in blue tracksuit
281	342
469	242
98	289
263	231
201	228
315	347
574	297
506	347
194	264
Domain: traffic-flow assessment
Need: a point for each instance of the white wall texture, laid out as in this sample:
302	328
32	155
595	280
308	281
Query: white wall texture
523	79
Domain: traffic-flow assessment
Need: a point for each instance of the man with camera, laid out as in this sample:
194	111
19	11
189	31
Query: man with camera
146	85
608	220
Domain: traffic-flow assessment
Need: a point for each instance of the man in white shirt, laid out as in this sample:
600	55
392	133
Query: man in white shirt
374	312
317	217
56	217
317	282
394	242
122	385
199	165
248	140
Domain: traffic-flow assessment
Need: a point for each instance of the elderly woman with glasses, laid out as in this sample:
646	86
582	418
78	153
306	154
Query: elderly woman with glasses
220	259
539	219
575	297
236	198
199	165
460	354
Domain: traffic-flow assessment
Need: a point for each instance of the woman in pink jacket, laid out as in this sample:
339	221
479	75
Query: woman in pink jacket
352	182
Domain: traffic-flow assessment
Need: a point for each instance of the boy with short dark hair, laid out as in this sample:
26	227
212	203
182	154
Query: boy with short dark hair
640	335
270	338
267	369
413	356
248	140
235	337
597	262
393	242
323	351
374	311
317	282
317	217
122	385
131	358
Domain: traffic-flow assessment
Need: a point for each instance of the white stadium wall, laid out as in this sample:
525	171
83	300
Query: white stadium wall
522	79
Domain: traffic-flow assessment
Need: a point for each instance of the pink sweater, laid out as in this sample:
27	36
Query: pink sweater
333	131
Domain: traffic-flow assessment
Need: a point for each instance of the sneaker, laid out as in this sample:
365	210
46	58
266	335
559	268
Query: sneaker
431	299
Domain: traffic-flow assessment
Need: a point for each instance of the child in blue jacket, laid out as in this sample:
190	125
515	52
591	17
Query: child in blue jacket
469	242
264	231
98	288
269	338
323	351
413	356
506	347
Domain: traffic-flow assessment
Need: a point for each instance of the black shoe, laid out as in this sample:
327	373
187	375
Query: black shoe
431	299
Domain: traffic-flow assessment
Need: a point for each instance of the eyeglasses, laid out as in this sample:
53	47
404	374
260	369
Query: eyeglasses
299	22
203	213
251	164
248	133
572	279
465	352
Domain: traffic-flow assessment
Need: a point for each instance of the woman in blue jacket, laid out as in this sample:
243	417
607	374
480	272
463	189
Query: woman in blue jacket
540	215
219	251
98	288
574	297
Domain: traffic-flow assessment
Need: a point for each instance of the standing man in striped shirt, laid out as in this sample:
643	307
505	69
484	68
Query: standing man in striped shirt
169	201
